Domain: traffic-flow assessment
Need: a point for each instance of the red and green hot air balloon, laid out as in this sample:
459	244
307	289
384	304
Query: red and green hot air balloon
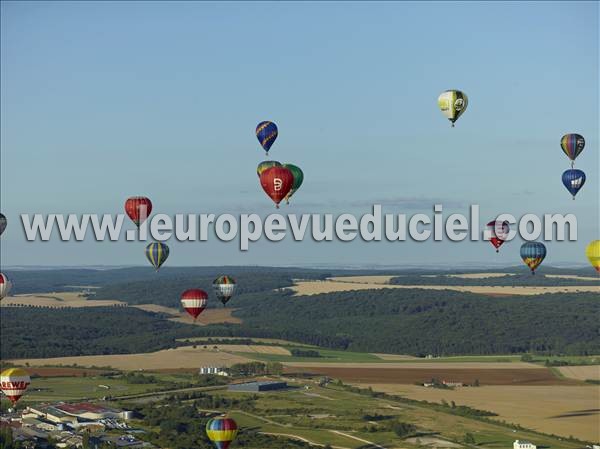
224	287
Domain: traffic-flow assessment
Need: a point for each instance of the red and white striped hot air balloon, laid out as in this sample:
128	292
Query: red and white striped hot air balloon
194	301
5	285
14	383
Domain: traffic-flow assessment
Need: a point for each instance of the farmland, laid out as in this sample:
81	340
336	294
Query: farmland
560	409
57	300
308	288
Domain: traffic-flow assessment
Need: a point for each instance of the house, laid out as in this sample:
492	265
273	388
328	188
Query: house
454	384
523	444
214	370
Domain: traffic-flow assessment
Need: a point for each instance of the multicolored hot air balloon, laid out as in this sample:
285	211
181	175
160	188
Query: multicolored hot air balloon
157	254
194	301
221	431
298	179
5	286
572	145
533	253
266	133
2	223
498	231
277	183
266	164
14	383
453	104
593	254
138	208
573	179
224	287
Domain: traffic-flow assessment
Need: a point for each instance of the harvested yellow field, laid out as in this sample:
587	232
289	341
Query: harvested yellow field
307	288
58	299
209	316
581	372
363	279
257	349
182	357
561	410
480	275
441	366
573	276
393	357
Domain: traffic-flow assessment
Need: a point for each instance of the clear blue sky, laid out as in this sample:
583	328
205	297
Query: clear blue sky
105	100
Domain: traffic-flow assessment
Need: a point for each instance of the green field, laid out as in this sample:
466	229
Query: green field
315	414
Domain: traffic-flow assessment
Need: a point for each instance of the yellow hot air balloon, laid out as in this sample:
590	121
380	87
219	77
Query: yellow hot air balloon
593	254
453	103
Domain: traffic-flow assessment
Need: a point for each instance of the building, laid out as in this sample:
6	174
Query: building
256	387
73	414
453	384
522	444
214	370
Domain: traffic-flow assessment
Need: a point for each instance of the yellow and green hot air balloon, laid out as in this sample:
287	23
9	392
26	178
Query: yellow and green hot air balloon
221	431
593	254
453	103
157	254
298	179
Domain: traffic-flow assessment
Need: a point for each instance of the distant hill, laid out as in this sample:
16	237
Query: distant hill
407	321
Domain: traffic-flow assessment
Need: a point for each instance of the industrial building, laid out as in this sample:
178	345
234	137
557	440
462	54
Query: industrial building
255	387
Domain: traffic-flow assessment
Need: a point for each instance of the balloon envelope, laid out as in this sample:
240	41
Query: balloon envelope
5	286
221	431
573	180
264	165
266	133
298	179
194	301
157	253
593	254
277	183
533	253
499	232
13	383
453	104
572	145
2	223
138	208
224	287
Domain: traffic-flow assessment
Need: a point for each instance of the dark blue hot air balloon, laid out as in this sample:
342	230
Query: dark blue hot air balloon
573	180
266	133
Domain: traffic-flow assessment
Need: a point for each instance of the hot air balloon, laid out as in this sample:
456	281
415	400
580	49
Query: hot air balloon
221	431
266	133
266	164
2	223
298	178
593	254
498	233
5	286
14	383
194	301
277	183
224	288
572	145
138	208
533	253
573	179
157	254
453	103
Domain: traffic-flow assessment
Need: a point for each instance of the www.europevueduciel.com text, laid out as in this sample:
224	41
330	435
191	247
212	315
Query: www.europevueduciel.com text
372	226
